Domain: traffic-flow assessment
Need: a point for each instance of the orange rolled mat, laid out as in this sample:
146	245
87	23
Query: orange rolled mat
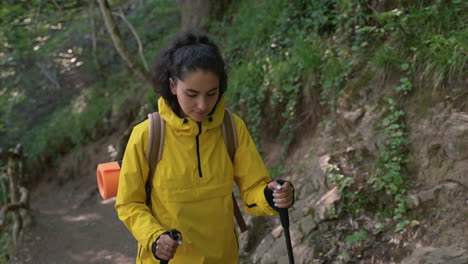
108	179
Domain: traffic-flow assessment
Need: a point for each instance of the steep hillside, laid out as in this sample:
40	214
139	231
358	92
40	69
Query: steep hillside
336	220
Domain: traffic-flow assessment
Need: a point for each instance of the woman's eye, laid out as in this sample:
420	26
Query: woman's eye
212	94
191	95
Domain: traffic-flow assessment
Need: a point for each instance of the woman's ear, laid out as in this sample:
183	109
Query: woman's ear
173	86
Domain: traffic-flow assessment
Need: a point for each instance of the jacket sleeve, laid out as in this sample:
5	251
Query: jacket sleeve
131	195
250	173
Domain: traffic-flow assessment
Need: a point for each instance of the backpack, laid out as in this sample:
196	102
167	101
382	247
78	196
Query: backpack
155	147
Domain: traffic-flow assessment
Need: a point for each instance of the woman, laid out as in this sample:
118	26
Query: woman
193	181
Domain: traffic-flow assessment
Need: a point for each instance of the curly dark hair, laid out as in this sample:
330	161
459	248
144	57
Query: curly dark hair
189	52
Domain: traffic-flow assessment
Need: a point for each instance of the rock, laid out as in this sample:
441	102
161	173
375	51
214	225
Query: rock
258	227
307	224
273	248
325	163
277	231
278	254
263	248
439	146
455	254
302	254
327	201
353	116
456	136
430	194
296	237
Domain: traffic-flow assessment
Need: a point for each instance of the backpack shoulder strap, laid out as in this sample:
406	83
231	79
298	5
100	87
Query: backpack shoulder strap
230	139
154	151
230	134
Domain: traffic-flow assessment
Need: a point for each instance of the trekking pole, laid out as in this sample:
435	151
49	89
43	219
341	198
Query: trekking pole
174	234
284	217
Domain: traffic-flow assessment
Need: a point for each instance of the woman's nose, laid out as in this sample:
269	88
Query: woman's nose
202	104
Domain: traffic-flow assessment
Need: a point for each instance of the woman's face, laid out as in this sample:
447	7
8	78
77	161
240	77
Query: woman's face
197	94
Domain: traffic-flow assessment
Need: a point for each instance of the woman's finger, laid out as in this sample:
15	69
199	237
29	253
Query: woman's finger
284	199
274	186
166	247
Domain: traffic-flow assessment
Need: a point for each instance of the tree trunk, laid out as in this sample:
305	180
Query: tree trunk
198	14
119	44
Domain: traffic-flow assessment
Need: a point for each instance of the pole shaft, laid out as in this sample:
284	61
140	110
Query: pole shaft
289	246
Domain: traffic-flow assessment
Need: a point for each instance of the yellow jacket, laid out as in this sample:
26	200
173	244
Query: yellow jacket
194	199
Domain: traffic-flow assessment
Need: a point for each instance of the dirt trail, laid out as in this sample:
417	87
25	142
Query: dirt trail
69	227
71	223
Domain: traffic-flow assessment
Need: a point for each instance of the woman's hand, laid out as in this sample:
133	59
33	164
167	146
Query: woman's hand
283	195
166	246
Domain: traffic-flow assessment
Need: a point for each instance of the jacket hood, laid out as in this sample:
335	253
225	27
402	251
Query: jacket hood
187	126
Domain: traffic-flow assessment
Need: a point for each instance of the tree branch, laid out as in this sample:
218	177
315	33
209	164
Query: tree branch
119	44
92	21
57	6
23	203
135	34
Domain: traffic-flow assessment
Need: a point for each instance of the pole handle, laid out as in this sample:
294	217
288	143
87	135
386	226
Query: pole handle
284	215
174	234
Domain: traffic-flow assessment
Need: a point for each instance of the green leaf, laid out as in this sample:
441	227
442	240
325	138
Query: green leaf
356	237
394	126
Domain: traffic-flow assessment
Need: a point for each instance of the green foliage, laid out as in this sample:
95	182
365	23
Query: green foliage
385	192
338	178
78	123
354	200
4	248
335	71
405	87
48	125
393	156
356	237
277	47
404	223
154	33
277	170
277	50
28	75
425	36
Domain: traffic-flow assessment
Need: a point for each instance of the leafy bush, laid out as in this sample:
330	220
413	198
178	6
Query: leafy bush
4	248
